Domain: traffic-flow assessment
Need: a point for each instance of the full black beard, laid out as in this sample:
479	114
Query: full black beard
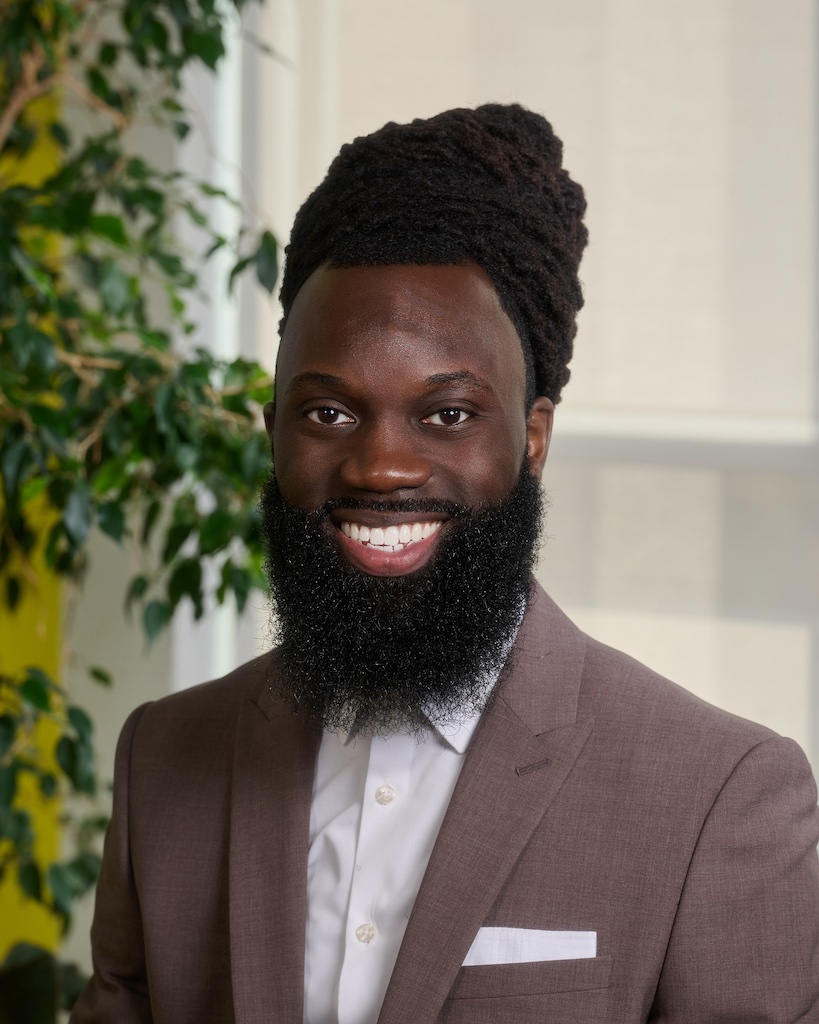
384	652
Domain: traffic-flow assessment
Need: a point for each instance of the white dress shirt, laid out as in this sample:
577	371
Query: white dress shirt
378	804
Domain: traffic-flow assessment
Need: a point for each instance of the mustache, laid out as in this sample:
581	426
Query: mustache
440	506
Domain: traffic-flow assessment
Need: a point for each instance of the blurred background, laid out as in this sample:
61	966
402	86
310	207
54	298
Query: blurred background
684	472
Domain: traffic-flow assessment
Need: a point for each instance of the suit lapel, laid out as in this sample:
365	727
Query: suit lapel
270	821
524	748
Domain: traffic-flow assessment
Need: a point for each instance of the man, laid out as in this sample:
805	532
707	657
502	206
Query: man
437	800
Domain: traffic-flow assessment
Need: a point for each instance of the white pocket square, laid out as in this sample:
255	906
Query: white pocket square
528	945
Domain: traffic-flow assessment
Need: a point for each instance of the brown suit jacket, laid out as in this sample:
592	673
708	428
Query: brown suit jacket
595	796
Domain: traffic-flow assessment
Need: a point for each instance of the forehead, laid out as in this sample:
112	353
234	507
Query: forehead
432	318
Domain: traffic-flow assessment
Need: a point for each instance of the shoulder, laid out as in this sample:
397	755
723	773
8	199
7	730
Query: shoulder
201	721
652	724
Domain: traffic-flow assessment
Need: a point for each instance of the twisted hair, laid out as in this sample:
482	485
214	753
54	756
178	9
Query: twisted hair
484	185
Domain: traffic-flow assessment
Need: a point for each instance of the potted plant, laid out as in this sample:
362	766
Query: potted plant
103	426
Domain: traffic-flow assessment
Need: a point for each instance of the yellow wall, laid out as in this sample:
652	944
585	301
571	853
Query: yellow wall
31	636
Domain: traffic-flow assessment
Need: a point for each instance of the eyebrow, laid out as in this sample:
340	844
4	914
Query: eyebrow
436	380
329	380
458	377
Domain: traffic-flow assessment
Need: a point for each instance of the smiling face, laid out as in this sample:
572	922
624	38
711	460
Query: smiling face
401	384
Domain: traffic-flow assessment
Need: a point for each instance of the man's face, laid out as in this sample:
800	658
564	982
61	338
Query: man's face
396	383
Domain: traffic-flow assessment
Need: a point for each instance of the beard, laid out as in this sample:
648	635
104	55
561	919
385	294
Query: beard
385	653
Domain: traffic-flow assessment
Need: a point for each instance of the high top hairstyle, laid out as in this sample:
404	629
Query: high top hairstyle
485	185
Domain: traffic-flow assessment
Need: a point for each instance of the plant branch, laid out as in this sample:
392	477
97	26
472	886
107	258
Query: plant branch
79	362
28	89
120	120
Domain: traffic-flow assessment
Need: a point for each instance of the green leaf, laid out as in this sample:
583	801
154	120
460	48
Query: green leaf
48	785
111	518
67	757
100	675
33	488
78	212
267	262
16	827
162	400
8	788
28	981
106	225
8	726
70	983
62	891
239	581
207	46
80	722
216	532
186	581
76	758
151	517
11	463
14	592
238	268
60	134
114	288
136	588
99	84
255	459
35	692
77	515
155	618
28	875
112	475
84	871
176	537
108	55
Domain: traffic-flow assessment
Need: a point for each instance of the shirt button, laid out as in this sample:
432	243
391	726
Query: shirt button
365	932
385	794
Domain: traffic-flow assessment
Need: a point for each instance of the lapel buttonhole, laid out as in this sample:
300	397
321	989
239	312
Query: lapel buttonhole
527	768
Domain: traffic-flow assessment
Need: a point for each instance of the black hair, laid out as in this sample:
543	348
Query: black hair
485	185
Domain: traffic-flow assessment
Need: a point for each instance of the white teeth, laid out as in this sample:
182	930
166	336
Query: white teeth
393	537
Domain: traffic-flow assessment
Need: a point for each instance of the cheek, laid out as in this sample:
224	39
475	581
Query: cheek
300	470
484	472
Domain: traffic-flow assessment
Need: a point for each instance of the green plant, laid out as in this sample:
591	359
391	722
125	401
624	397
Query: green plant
102	424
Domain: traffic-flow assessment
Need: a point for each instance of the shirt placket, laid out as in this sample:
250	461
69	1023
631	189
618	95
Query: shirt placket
361	983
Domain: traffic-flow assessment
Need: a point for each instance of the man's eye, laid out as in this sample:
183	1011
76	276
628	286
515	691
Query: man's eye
328	416
447	417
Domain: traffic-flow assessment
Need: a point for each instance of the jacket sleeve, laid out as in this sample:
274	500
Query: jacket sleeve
745	942
118	989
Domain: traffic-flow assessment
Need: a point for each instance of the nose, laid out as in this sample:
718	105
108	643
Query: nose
384	458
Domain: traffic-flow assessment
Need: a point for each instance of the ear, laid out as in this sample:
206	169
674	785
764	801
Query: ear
269	418
539	433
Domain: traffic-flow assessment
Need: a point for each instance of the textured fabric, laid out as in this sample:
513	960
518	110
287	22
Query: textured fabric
595	796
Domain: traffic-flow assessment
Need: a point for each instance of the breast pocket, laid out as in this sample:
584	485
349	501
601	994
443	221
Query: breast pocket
500	981
557	991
